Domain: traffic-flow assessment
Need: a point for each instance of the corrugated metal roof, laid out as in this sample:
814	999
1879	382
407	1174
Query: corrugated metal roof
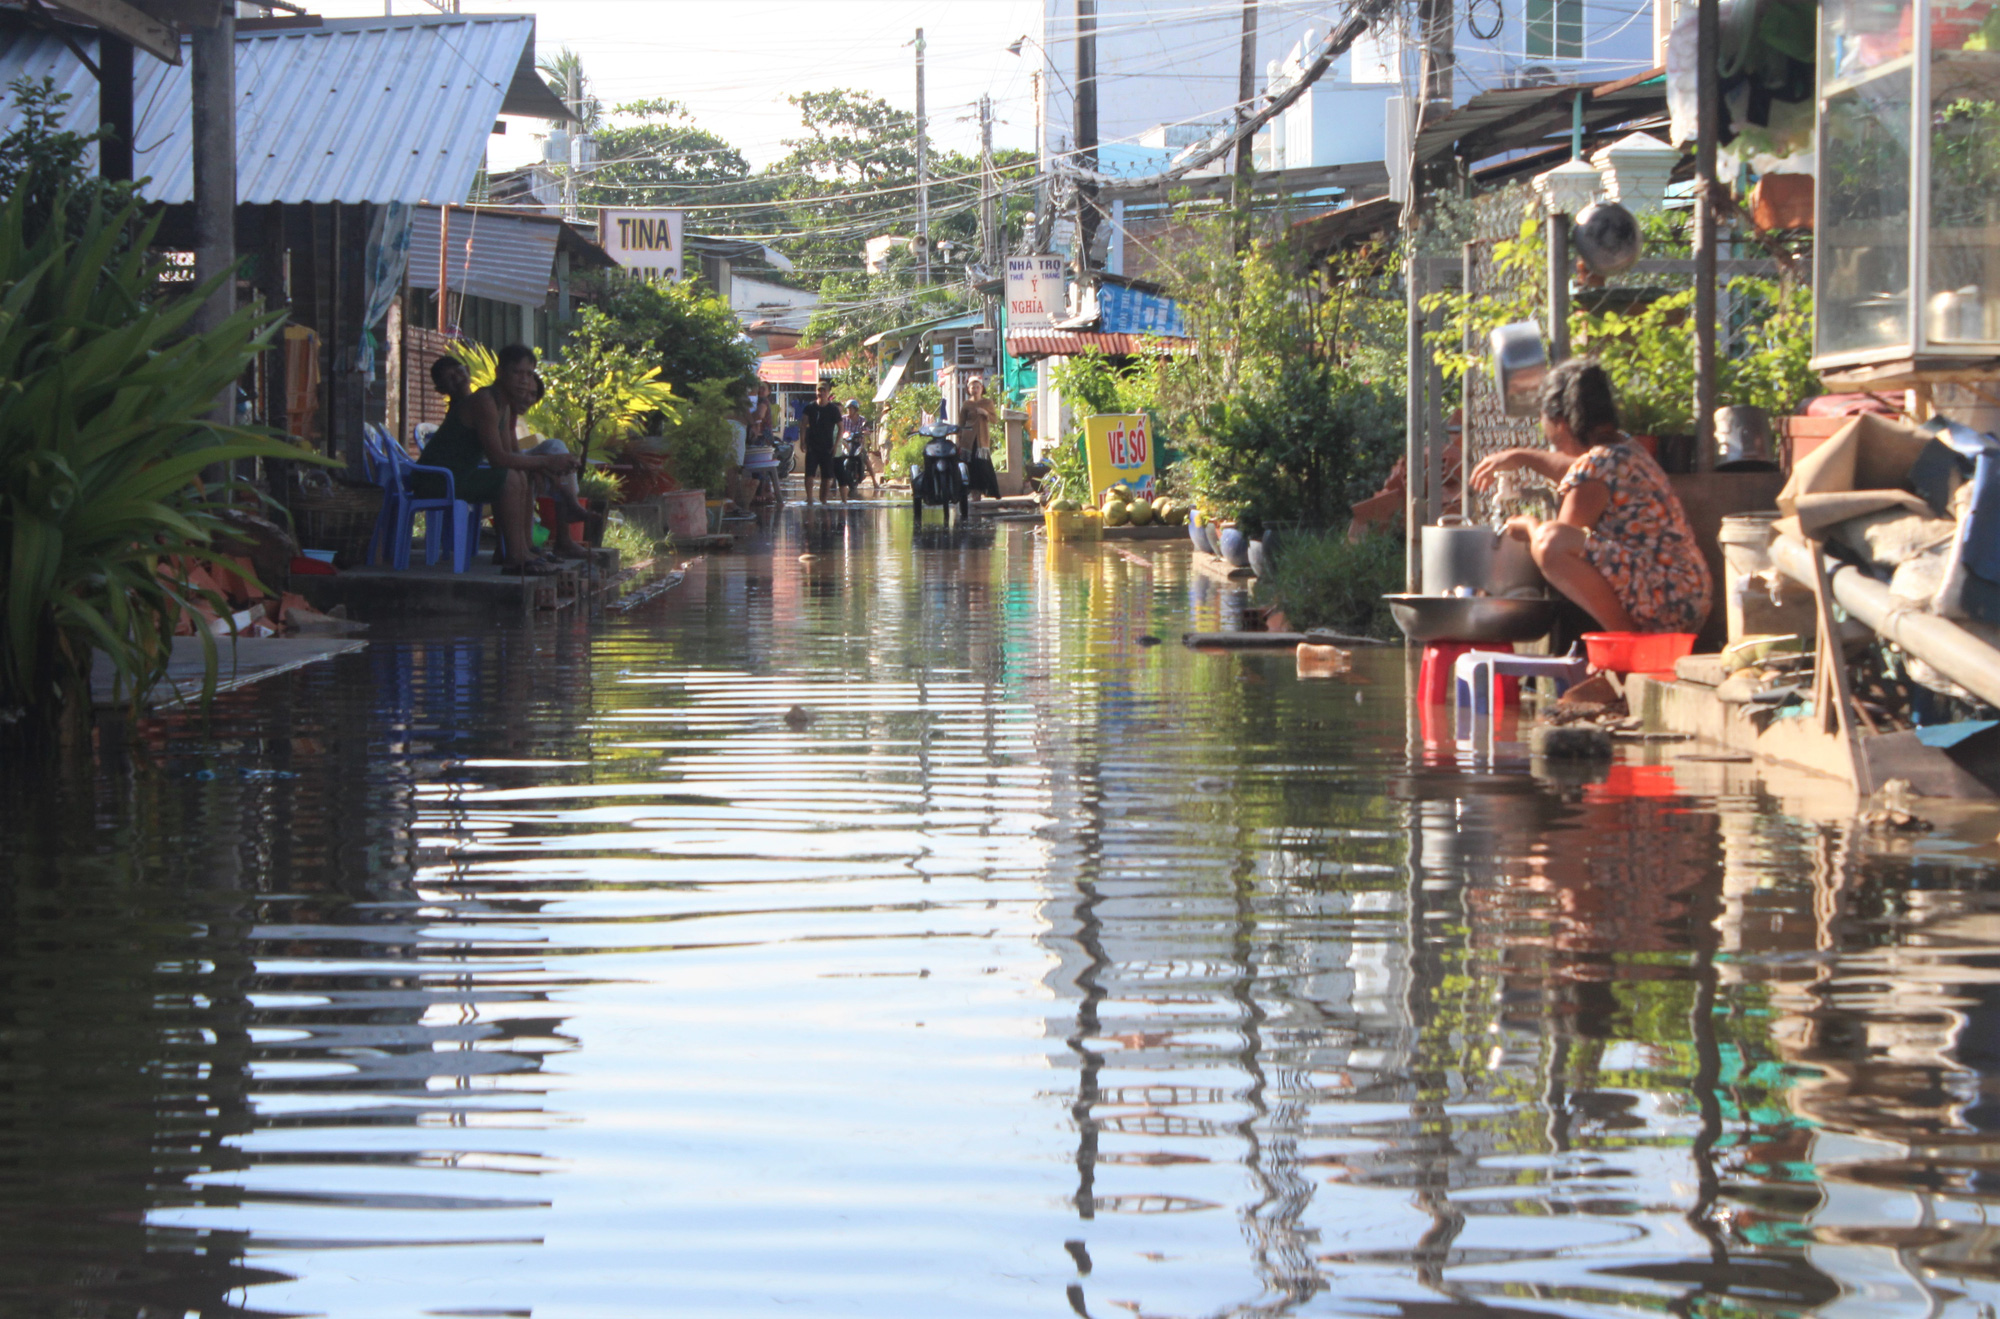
353	110
959	321
1517	118
508	258
1067	343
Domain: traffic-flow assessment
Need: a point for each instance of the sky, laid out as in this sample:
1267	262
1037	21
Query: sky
733	62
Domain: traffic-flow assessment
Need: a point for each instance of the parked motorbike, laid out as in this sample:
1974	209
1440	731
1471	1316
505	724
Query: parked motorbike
939	480
782	452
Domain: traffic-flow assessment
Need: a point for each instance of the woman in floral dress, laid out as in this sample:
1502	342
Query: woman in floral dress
1620	546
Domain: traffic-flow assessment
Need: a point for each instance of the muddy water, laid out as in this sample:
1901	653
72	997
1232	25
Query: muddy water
1028	969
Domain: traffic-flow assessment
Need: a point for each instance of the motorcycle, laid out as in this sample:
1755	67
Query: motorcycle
782	452
851	463
939	480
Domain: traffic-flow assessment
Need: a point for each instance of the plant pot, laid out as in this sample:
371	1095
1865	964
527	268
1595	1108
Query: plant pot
1198	533
1260	558
1233	546
685	513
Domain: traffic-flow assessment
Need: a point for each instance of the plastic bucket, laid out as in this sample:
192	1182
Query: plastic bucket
1745	539
1637	652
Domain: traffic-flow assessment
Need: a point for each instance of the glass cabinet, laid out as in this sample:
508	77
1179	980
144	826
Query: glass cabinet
1907	244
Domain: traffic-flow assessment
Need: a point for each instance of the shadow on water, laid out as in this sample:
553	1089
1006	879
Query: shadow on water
875	924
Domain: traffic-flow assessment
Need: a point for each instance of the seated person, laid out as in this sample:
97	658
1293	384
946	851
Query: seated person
562	489
1620	546
476	442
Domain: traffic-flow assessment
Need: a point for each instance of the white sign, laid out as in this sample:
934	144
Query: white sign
646	242
1036	291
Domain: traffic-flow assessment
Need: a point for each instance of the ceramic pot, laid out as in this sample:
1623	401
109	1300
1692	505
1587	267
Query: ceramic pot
1260	558
1198	537
1233	546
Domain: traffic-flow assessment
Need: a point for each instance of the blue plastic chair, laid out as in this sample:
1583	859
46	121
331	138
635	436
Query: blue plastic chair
447	521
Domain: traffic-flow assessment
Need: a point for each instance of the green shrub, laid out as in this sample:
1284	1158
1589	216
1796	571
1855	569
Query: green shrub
103	443
700	443
1321	579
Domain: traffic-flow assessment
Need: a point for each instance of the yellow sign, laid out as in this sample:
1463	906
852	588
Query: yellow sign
1120	448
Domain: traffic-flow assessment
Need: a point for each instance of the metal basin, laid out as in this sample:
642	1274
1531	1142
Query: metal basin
1471	617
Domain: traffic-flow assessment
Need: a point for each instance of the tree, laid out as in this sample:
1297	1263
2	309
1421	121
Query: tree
683	328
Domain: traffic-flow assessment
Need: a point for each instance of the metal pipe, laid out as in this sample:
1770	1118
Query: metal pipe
1938	642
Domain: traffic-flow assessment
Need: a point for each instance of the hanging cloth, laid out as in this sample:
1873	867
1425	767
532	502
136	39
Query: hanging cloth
388	259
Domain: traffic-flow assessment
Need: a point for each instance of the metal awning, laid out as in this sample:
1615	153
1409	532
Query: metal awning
1029	344
960	321
348	110
508	258
1519	118
893	380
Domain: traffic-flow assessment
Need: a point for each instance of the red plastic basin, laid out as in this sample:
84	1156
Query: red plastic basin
1637	652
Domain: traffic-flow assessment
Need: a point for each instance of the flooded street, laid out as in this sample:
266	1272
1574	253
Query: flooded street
1030	967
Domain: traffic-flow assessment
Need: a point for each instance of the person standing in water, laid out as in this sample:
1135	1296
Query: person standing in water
821	428
976	421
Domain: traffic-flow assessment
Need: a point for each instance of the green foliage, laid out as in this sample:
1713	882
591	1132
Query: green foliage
1091	384
1322	579
46	164
683	329
103	441
633	542
1648	349
599	391
856	305
904	416
700	443
593	483
652	153
1286	410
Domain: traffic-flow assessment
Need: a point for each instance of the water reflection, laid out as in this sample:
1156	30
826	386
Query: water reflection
1032	967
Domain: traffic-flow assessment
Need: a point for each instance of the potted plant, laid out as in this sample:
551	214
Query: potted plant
699	447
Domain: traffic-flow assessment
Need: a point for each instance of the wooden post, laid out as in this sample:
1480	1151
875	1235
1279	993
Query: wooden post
212	88
114	107
444	265
1557	248
1416	504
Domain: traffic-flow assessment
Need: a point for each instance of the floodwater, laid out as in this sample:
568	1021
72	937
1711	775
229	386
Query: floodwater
1032	969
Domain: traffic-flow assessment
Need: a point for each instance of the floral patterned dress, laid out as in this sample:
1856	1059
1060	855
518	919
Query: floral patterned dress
1642	543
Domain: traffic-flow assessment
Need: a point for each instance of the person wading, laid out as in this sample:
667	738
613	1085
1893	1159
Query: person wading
822	430
476	443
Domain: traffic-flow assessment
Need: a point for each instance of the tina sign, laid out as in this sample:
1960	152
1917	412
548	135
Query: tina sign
1120	446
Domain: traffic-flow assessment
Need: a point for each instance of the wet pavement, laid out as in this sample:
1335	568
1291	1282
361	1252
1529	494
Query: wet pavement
1027	968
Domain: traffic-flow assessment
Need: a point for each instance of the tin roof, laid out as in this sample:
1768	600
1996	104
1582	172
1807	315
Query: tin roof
508	258
1519	118
1068	343
347	110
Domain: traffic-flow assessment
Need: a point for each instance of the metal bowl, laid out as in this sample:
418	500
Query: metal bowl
1471	618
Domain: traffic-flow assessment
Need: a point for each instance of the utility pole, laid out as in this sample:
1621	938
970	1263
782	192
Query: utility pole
1086	131
923	176
1246	88
575	103
1423	463
1040	240
212	87
989	191
1707	97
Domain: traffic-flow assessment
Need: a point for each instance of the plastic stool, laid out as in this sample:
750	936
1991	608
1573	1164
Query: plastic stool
1477	675
1434	685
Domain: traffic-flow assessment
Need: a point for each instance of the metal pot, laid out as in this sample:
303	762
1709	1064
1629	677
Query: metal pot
1519	365
1476	618
1459	553
1743	439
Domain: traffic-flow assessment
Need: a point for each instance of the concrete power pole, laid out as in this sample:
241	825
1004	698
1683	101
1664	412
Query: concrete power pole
989	191
212	82
1246	88
575	102
923	177
1707	96
1086	130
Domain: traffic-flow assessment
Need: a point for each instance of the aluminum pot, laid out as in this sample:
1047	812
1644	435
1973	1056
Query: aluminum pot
1519	365
1459	553
1743	439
